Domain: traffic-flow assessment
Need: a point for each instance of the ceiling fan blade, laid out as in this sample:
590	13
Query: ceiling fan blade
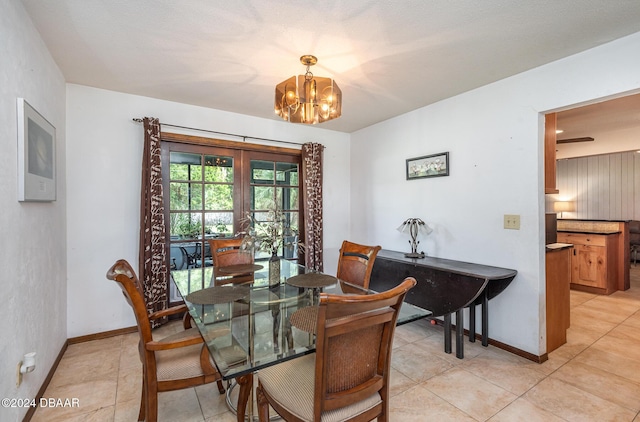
570	140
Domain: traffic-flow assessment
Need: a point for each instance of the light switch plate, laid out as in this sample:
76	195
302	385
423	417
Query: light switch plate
512	221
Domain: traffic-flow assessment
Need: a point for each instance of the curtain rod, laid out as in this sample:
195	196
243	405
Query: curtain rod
244	137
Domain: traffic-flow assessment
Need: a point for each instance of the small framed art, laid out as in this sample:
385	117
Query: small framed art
36	155
434	165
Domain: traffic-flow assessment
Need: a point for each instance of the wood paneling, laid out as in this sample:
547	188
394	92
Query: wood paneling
604	187
550	153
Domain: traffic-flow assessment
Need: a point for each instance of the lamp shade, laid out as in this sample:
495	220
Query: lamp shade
563	206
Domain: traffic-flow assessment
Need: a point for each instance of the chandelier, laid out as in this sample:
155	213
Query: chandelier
308	99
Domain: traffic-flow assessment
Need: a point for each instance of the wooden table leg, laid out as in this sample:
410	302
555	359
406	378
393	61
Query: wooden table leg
472	322
459	334
246	385
485	320
447	333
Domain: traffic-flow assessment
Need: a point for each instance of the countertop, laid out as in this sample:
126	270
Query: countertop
557	246
587	231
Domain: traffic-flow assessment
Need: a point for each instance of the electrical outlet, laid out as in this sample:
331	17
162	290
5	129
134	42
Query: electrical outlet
512	221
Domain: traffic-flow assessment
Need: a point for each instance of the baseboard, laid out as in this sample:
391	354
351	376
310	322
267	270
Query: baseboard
103	335
500	345
45	384
54	367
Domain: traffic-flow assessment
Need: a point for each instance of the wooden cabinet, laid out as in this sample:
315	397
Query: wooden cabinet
593	262
550	153
558	298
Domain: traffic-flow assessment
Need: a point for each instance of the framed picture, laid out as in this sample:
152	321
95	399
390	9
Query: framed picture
434	165
36	155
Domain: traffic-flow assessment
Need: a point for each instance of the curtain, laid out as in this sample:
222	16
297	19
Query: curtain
152	254
312	197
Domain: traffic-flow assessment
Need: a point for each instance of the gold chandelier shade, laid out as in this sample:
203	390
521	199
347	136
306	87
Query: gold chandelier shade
308	99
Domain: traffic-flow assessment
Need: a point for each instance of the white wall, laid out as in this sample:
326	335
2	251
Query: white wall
33	242
104	157
494	137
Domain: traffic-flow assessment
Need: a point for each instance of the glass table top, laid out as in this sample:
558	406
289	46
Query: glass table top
247	326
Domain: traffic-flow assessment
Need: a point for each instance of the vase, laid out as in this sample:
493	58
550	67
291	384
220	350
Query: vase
274	270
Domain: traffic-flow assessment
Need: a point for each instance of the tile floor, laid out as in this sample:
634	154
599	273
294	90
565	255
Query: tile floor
594	377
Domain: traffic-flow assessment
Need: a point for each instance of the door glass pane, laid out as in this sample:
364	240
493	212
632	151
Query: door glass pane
262	197
287	198
185	166
262	172
185	225
218	169
185	196
218	197
287	174
219	224
195	190
291	235
179	196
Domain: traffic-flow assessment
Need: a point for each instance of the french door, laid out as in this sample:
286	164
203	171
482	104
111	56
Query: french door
214	191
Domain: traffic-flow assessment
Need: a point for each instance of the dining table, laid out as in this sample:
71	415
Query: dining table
266	321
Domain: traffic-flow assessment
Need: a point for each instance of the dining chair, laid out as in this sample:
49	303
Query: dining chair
175	362
355	263
347	378
228	252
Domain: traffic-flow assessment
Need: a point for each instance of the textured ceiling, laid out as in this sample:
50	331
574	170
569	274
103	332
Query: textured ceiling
388	57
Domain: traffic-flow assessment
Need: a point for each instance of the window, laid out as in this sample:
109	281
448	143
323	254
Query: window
274	187
210	187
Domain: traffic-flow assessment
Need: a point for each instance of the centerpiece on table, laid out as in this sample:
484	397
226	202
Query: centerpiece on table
267	233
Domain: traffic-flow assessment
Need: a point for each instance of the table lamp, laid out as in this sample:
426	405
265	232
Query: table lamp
413	226
562	206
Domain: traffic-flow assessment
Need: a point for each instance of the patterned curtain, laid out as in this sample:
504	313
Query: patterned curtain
153	267
312	197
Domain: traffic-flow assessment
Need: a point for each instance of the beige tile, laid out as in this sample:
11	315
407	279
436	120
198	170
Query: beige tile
211	401
420	405
223	417
601	383
127	411
593	321
633	320
91	396
83	367
523	410
129	384
516	375
109	345
416	331
555	360
578	297
626	332
574	404
130	355
469	393
614	363
435	345
399	342
417	364
616	307
180	405
398	382
578	339
105	414
620	346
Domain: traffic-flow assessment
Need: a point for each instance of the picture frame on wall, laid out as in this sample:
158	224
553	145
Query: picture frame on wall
434	165
36	155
